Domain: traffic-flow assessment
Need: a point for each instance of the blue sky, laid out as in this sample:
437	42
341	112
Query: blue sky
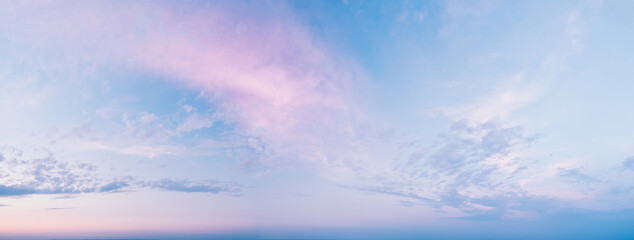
317	119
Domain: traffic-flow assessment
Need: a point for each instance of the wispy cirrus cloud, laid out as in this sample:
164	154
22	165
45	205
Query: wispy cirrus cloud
482	156
486	164
284	92
478	175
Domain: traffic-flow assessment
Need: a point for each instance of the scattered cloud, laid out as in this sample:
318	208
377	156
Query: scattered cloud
21	176
482	164
146	118
189	108
477	166
44	175
194	122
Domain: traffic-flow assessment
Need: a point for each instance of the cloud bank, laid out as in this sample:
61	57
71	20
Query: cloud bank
26	175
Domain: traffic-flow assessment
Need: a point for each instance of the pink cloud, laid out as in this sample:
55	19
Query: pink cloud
265	72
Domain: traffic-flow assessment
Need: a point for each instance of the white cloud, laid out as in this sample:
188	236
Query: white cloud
507	98
188	108
194	122
146	118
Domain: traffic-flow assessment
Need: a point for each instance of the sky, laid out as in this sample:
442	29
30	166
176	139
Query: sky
317	119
